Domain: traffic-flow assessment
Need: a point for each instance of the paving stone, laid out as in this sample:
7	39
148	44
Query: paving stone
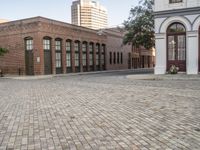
105	111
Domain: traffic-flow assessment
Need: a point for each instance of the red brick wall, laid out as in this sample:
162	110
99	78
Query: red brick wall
115	44
12	36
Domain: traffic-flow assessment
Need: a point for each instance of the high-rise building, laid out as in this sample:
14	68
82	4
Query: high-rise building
89	13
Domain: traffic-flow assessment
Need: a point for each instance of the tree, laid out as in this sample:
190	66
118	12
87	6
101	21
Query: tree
3	51
140	25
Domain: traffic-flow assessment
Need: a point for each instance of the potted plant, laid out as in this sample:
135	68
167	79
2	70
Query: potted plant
173	69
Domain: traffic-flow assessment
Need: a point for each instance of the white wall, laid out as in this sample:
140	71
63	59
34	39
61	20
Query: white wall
192	24
161	5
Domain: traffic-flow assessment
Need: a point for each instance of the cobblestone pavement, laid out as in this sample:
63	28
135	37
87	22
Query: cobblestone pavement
99	112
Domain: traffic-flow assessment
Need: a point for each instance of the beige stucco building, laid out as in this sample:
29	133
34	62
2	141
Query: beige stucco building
89	13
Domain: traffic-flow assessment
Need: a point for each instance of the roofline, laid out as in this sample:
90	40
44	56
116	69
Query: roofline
40	19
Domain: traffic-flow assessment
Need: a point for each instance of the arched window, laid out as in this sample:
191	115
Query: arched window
84	56
58	50
91	52
103	56
29	43
98	56
77	55
68	56
176	48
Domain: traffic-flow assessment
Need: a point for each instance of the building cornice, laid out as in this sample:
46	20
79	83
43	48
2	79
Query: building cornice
179	12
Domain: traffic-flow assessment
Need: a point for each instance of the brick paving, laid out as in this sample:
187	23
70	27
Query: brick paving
99	112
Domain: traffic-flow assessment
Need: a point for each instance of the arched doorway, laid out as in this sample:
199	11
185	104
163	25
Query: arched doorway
29	58
47	55
176	46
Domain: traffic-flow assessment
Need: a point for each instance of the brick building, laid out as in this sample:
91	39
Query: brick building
40	46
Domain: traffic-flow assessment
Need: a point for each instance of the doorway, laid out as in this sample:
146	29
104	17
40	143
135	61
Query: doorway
176	46
47	56
29	63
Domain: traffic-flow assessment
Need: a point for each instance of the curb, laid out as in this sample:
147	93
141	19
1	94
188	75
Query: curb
180	77
145	70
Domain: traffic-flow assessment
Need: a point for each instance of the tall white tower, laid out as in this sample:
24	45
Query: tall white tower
89	13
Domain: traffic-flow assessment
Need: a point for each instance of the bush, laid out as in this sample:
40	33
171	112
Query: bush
173	69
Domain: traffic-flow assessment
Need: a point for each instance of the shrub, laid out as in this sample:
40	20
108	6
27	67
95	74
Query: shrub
173	69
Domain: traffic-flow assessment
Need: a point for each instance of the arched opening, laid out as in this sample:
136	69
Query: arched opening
47	55
29	60
84	56
58	51
91	58
176	46
69	56
103	57
77	55
98	57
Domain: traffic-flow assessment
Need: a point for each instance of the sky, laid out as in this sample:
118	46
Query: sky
118	10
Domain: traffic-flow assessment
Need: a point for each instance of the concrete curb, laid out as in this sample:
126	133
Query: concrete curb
145	70
164	77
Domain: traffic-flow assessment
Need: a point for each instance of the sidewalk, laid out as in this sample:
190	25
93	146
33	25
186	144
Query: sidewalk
164	77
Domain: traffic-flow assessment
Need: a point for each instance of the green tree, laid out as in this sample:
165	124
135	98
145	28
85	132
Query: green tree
140	25
3	51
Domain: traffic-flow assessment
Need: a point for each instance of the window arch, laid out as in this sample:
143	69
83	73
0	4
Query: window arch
28	43
176	28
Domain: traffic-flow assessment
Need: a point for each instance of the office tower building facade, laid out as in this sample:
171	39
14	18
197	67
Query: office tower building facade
88	13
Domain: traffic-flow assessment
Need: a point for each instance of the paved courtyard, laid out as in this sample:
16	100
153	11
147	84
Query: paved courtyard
99	112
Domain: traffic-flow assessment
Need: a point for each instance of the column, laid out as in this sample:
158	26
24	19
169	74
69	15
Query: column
38	55
192	53
161	54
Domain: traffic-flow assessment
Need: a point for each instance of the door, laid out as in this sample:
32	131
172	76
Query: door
177	52
29	62
176	46
47	62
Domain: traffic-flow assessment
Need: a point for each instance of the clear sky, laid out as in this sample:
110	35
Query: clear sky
118	10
